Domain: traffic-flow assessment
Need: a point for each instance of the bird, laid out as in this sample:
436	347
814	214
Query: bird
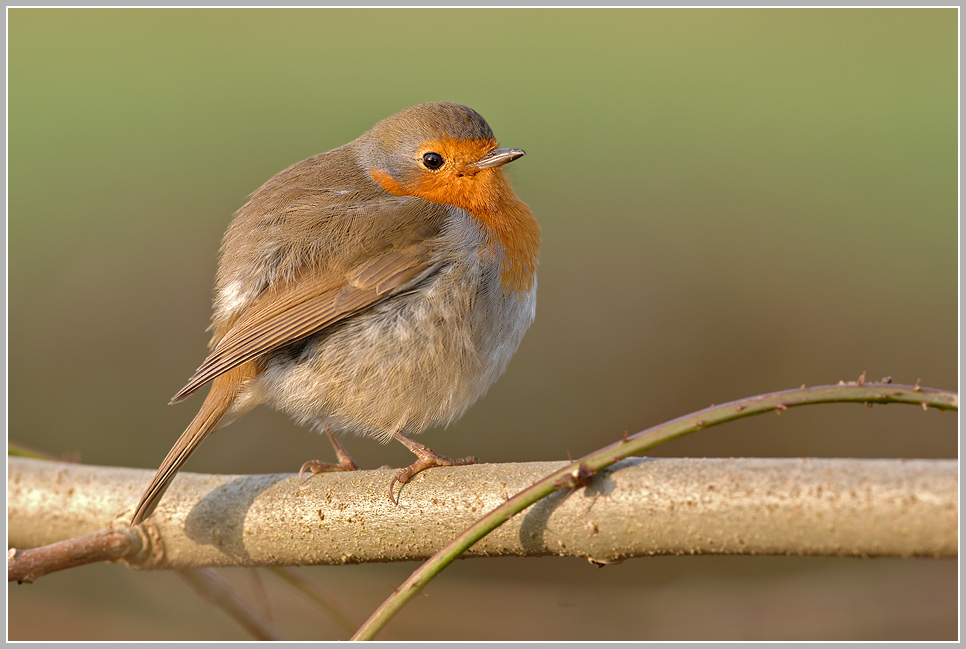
379	288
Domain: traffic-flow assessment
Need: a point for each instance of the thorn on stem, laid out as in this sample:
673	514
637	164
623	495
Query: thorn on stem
580	477
861	380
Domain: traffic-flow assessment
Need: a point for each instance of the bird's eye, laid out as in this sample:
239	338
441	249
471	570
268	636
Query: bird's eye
433	160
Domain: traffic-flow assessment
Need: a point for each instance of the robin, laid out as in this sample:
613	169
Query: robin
378	288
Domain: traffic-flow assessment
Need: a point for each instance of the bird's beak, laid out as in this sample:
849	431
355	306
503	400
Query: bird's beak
498	157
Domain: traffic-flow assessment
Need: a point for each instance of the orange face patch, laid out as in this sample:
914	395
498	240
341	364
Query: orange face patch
456	182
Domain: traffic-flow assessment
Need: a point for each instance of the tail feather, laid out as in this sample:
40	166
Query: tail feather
216	404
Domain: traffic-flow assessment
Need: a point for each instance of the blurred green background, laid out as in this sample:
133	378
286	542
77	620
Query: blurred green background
732	202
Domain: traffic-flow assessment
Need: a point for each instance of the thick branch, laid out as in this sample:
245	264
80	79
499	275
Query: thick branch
638	507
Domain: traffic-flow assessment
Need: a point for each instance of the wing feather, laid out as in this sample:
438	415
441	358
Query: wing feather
284	315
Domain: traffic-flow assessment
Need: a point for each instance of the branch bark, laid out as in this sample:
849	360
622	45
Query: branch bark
638	507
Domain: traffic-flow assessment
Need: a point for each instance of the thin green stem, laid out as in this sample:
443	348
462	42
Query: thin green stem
580	472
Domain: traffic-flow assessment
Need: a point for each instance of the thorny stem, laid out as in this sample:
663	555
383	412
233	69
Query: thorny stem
581	471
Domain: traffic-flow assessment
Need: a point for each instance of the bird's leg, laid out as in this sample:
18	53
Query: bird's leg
428	458
346	463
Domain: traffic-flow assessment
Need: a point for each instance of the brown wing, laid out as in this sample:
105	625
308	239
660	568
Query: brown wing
282	316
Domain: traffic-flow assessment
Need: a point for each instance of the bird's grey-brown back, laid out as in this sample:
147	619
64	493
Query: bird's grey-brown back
322	216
